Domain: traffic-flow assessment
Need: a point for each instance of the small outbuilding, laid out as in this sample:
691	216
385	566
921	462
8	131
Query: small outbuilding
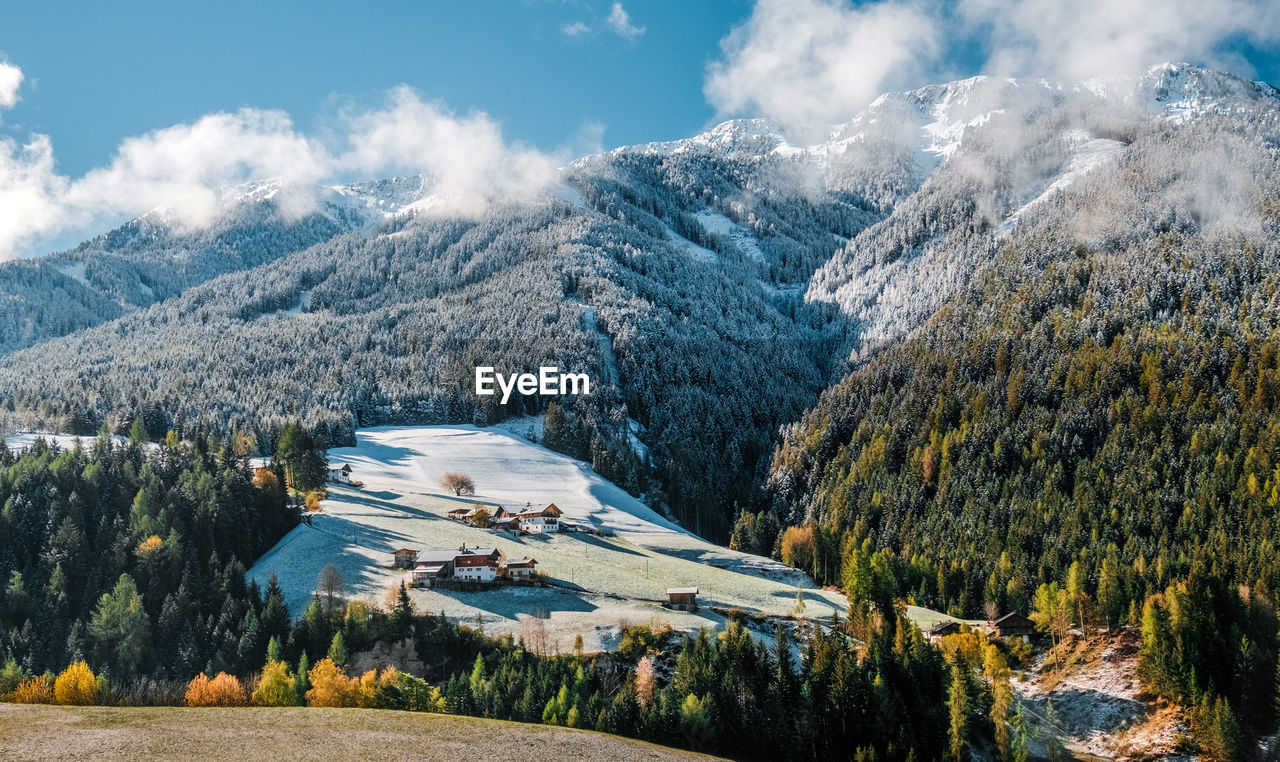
520	568
682	598
404	558
341	475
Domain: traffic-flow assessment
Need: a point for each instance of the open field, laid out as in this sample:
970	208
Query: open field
56	732
600	582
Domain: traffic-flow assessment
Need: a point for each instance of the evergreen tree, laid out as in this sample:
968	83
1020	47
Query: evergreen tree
302	680
121	626
338	650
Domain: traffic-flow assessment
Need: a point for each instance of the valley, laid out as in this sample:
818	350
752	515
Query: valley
599	583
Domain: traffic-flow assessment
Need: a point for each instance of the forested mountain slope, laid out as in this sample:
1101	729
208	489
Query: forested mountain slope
1107	392
155	257
713	286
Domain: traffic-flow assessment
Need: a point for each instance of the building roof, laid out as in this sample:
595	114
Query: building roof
943	626
1012	618
551	511
682	591
523	562
405	550
429	568
437	556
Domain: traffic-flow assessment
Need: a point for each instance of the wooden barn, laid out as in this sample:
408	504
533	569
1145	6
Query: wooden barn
1013	625
682	598
404	558
942	629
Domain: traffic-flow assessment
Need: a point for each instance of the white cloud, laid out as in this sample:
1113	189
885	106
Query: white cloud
183	167
620	22
10	81
576	29
1087	38
466	156
811	62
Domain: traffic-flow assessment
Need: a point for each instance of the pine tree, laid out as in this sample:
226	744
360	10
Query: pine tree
338	650
273	649
121	626
302	680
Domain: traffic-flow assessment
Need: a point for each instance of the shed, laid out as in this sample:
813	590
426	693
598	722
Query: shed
404	558
682	598
521	568
1013	625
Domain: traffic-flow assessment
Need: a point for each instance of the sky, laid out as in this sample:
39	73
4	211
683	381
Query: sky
108	110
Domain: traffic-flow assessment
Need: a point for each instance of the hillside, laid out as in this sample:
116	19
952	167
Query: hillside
600	583
49	732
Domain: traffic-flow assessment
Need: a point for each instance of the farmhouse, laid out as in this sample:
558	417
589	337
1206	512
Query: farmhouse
341	475
540	521
1013	625
464	564
520	568
433	566
476	564
529	521
682	598
404	558
941	630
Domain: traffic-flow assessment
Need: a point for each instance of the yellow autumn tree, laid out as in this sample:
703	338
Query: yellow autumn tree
330	686
367	690
76	686
222	690
276	688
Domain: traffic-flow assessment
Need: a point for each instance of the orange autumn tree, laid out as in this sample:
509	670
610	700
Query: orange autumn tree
222	690
37	690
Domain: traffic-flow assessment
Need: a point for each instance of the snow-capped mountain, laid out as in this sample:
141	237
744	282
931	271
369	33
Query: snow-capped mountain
903	201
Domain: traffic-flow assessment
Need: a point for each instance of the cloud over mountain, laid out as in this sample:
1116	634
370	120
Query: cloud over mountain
183	166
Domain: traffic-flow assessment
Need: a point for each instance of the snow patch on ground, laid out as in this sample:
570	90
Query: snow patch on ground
717	223
1098	707
694	251
303	305
24	439
567	193
1089	154
76	272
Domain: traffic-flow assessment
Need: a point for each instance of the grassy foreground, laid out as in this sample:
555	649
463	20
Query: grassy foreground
54	732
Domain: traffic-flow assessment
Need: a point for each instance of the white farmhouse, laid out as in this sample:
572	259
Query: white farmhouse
540	521
477	564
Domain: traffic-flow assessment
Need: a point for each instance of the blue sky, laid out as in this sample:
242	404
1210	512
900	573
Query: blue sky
98	74
108	110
